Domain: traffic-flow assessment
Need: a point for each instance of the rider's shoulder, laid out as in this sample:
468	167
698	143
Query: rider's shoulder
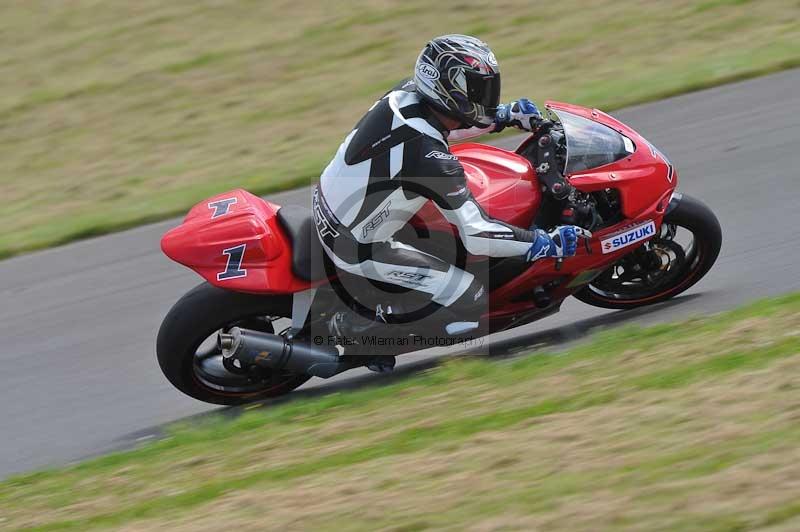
406	85
438	144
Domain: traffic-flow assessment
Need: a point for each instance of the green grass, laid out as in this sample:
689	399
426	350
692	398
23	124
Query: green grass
116	113
688	426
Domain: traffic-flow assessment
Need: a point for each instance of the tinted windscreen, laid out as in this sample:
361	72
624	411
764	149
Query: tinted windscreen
590	144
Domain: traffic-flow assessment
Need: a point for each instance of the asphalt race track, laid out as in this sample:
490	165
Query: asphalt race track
78	374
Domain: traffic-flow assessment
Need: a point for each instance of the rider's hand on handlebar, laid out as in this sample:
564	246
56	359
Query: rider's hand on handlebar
522	114
561	242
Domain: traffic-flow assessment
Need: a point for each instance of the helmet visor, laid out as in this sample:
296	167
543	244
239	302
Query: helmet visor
484	90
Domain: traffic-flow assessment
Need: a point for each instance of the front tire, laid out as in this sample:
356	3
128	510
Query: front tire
642	278
201	372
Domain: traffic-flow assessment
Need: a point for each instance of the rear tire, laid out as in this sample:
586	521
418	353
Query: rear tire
690	214
198	315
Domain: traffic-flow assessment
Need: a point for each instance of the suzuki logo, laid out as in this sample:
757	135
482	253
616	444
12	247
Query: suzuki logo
636	234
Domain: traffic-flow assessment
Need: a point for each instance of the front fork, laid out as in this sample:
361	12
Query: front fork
674	200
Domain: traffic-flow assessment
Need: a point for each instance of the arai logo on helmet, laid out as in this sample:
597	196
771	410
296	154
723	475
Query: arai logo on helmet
427	72
491	59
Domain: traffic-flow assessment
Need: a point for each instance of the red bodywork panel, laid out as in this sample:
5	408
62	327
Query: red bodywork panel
503	183
640	178
201	240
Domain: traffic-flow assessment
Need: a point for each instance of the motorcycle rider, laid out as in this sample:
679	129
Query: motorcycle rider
396	159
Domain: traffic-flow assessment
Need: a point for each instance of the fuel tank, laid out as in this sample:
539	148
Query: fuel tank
503	182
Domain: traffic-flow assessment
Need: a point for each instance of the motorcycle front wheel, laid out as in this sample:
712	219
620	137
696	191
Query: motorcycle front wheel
663	267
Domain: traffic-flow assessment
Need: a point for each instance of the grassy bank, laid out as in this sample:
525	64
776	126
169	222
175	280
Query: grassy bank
118	113
690	426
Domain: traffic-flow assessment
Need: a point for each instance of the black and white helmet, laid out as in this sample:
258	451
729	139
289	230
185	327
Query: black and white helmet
459	76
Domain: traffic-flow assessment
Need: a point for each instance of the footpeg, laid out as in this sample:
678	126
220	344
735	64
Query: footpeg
541	297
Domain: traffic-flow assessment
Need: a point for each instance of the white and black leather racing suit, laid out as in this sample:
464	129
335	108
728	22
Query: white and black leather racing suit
394	161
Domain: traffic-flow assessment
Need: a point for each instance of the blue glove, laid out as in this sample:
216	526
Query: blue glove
521	114
562	242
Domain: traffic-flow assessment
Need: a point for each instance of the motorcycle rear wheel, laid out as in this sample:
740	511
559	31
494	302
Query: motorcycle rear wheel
662	267
192	362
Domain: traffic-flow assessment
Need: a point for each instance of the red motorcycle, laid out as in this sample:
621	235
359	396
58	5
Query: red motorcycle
246	333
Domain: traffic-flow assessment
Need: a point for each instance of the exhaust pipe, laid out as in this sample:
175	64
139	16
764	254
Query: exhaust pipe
275	352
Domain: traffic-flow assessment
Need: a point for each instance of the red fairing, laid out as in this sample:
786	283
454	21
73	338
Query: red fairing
503	183
640	178
234	241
